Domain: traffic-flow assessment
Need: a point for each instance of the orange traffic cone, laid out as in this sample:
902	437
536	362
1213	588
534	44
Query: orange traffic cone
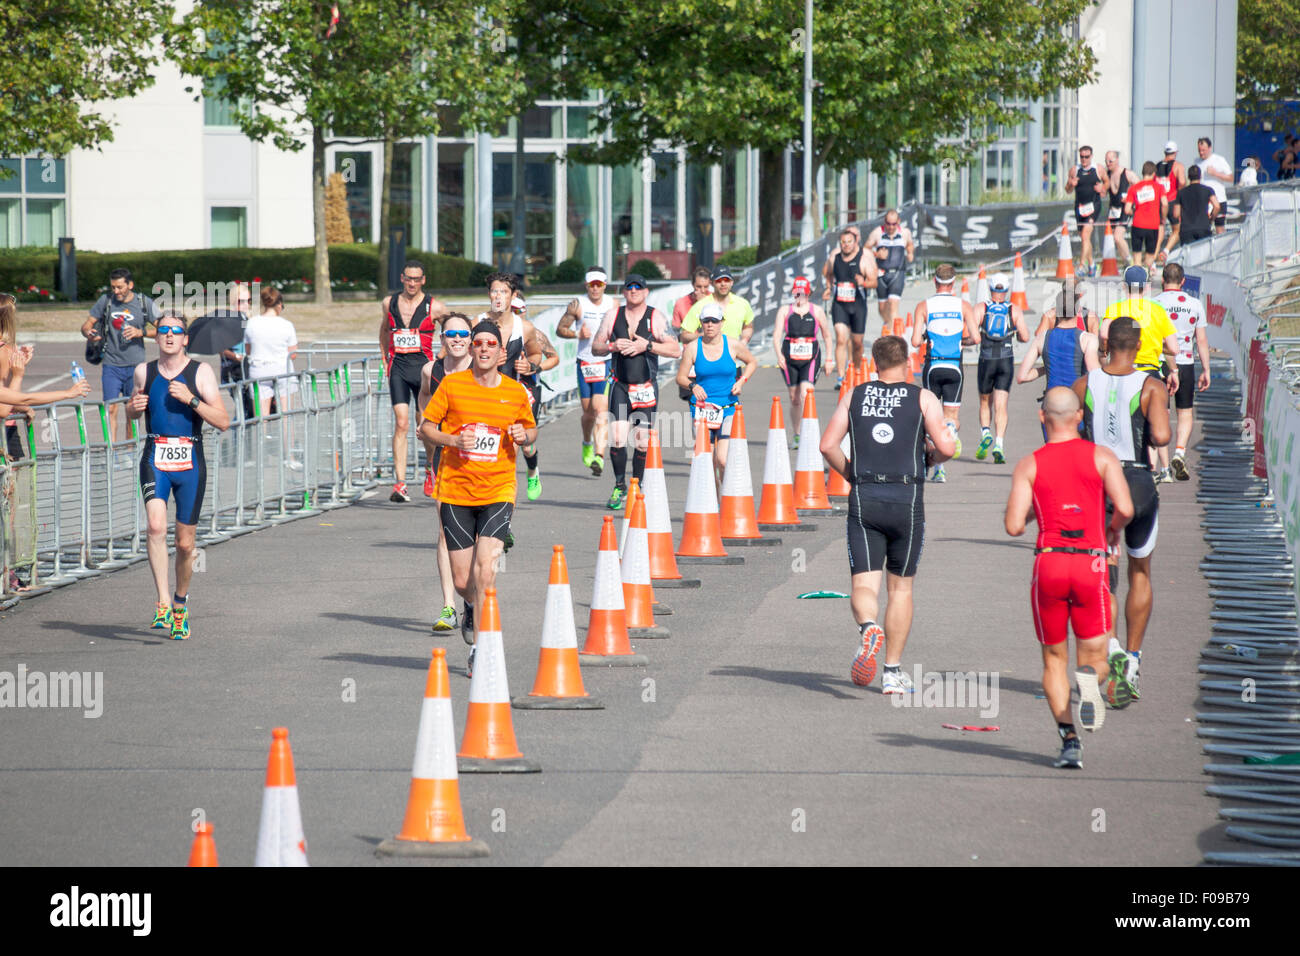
558	685
809	476
1064	256
736	510
607	638
434	824
638	595
897	328
1109	261
776	510
658	520
836	486
1019	297
701	526
633	489
982	287
488	745
965	291
204	850
280	840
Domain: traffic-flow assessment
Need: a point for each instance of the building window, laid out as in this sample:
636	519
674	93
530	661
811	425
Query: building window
580	221
455	200
732	231
663	202
406	209
357	170
33	202
229	227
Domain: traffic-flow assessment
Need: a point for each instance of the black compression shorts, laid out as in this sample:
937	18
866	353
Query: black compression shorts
1185	397
995	375
464	524
890	284
852	314
946	382
887	532
404	382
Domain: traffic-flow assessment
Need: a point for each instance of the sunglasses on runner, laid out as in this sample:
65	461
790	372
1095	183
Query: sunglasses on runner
171	330
712	320
456	334
488	343
633	286
595	283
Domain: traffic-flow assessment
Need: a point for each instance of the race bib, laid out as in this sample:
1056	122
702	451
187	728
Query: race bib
1084	209
1146	194
406	340
712	415
641	396
1116	212
173	454
801	349
487	442
845	292
594	371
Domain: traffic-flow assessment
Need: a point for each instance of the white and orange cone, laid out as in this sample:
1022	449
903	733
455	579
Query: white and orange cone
1019	296
809	476
965	291
638	594
701	525
633	489
607	637
558	685
489	745
434	824
982	287
203	852
736	512
776	508
1109	260
658	521
1064	255
280	840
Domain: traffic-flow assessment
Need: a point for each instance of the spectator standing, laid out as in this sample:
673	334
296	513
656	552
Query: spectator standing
122	320
1215	173
271	344
700	288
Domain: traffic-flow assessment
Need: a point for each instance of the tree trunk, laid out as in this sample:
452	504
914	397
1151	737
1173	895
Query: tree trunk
771	191
322	280
385	212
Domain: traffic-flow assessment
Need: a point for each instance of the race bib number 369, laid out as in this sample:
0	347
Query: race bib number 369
173	454
487	442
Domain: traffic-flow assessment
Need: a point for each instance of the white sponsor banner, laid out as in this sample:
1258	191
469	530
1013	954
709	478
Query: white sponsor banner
1230	323
1281	429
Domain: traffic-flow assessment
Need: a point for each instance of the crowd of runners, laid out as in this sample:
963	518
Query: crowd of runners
1091	488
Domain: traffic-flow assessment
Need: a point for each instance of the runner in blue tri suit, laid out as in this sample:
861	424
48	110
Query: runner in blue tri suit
713	359
176	395
946	323
1000	326
1068	351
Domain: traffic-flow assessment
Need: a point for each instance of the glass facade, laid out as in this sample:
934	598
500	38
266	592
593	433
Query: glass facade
33	202
456	201
358	175
228	227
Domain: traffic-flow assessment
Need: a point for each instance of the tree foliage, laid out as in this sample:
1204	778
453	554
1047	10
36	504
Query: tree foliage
64	61
1268	61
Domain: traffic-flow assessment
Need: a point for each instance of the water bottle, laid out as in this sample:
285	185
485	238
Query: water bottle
78	373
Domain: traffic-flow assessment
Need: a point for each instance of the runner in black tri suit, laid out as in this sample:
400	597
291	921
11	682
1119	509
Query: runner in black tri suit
1000	325
637	336
176	395
798	327
1088	188
844	273
895	429
1119	179
891	245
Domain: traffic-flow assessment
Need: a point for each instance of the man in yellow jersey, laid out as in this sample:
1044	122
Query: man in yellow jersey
1158	339
737	313
479	418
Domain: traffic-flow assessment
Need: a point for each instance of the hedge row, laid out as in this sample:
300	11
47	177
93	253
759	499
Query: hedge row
21	268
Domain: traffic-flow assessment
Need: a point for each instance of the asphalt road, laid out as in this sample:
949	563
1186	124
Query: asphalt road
743	742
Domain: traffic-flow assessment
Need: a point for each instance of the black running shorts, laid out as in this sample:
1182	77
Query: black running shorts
464	524
945	381
995	375
853	314
1185	397
886	529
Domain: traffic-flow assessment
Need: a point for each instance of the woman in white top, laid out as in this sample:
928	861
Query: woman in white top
271	344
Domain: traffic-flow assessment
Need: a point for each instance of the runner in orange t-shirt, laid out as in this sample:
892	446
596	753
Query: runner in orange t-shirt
479	418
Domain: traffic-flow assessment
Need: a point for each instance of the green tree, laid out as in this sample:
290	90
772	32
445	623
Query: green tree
64	61
1268	64
378	73
896	77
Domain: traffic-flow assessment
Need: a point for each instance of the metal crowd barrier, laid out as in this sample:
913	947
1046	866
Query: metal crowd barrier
1250	670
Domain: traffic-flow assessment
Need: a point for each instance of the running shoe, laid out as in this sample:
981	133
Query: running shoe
1119	692
162	617
1132	675
467	624
180	623
956	440
896	682
796	441
1091	714
399	492
428	483
534	486
469	667
939	474
838	382
1179	468
597	465
588	455
508	541
863	670
1071	754
999	456
1163	477
446	620
982	451
616	499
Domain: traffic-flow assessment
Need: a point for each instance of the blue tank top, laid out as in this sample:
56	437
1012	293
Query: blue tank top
716	377
996	331
166	416
1062	357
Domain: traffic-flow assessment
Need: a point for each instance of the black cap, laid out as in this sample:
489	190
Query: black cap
491	328
721	272
636	278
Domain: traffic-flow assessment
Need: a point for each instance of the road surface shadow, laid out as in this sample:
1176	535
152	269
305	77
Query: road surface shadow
400	623
381	660
1000	542
967	743
107	632
805	679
